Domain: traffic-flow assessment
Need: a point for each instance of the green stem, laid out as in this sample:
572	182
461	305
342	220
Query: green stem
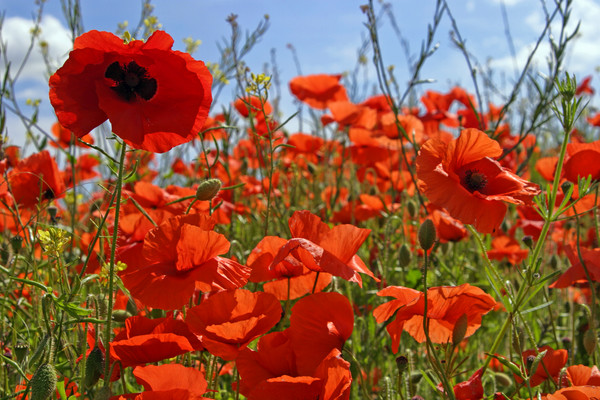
111	265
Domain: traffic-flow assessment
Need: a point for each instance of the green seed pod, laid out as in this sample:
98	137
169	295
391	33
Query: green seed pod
208	189
21	350
43	382
590	340
427	234
412	207
460	329
503	379
94	367
404	256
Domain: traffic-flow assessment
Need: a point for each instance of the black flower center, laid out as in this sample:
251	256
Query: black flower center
474	180
131	80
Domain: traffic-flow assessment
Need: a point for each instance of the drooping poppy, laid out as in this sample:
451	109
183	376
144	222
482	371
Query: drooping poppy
155	98
227	321
445	306
182	256
318	90
463	178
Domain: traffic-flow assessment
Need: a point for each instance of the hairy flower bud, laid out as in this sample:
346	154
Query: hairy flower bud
43	382
208	189
427	234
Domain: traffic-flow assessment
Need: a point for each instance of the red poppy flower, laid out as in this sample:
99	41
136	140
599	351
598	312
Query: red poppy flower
471	389
170	381
181	255
288	280
552	362
584	86
34	179
581	375
318	90
584	160
575	274
304	361
227	321
575	393
145	340
154	97
463	178
252	106
324	249
65	137
445	305
505	247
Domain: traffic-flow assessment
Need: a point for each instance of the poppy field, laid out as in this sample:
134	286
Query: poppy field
417	243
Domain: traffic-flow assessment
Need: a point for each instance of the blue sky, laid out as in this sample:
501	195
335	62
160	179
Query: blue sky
325	34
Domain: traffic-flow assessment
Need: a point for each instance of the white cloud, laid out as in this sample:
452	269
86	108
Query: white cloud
16	36
582	54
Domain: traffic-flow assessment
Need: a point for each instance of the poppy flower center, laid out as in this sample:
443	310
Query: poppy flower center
131	80
474	180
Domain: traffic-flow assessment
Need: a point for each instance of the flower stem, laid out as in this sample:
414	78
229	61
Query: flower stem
111	265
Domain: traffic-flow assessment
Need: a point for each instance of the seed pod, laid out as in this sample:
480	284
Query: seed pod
208	189
94	367
427	234
43	382
460	329
405	256
589	341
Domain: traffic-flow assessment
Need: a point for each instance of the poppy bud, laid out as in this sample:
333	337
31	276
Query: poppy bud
590	340
120	315
208	189
529	361
15	243
460	329
528	241
554	262
402	364
404	256
427	234
502	379
412	208
94	367
565	186
43	382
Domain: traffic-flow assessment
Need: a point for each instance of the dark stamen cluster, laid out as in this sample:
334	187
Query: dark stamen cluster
475	180
131	80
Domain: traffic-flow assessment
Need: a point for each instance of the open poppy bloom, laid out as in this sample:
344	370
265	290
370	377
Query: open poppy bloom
550	366
169	381
145	340
227	321
34	179
445	306
155	98
575	393
182	256
583	160
304	361
323	249
318	90
463	177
